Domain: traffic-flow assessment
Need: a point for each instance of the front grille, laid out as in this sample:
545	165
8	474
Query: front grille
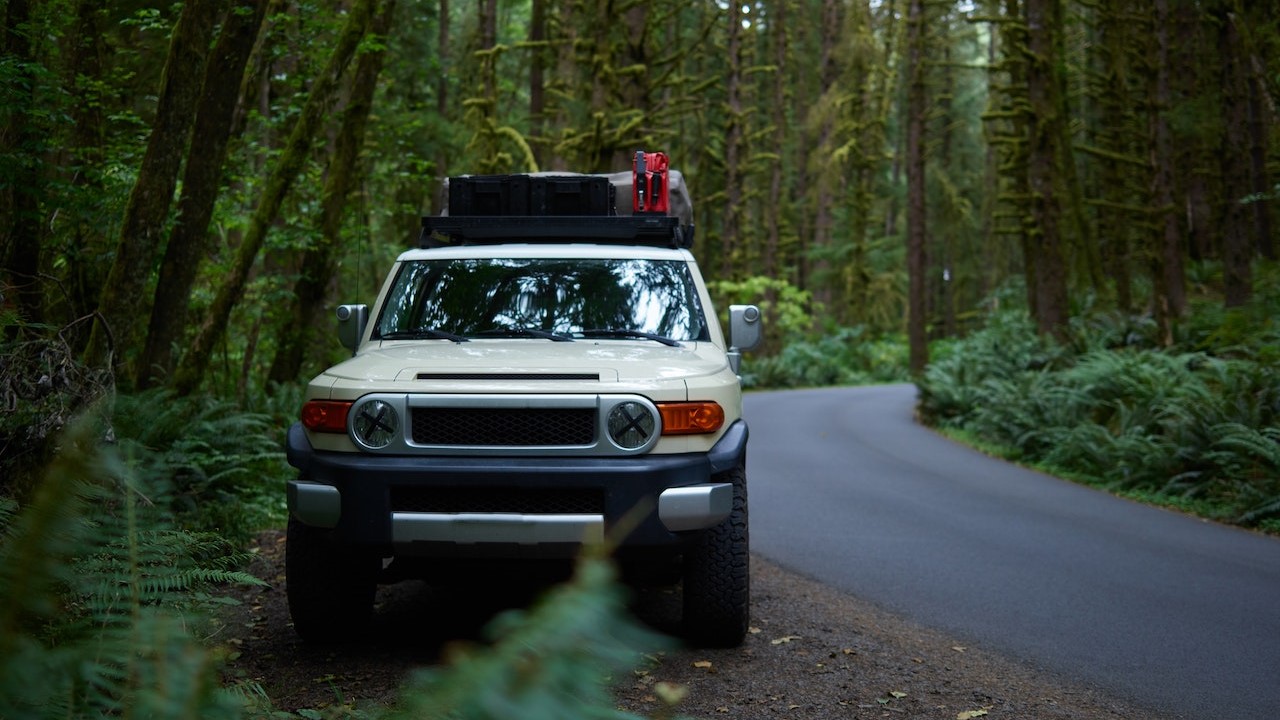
504	426
525	501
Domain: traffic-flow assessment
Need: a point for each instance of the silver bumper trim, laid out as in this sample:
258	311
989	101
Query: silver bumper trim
696	507
315	504
475	528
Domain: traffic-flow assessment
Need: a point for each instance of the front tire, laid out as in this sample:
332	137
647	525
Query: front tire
717	574
331	587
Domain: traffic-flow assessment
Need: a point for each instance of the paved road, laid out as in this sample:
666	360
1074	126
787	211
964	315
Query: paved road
1174	613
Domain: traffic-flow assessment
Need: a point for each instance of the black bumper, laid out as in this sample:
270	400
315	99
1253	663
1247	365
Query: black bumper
372	486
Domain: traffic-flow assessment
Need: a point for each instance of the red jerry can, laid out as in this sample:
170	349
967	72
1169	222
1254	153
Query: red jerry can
649	188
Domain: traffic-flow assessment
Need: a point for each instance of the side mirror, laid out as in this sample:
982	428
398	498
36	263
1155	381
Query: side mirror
745	329
352	320
745	332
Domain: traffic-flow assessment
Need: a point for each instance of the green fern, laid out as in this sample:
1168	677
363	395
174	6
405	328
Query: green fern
98	597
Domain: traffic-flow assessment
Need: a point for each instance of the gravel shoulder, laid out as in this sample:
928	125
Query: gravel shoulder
813	652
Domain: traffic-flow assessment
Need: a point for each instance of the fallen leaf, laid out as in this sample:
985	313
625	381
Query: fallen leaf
754	630
702	664
850	651
959	648
898	694
971	714
784	639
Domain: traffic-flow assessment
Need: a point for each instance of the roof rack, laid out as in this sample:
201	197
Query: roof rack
552	208
651	230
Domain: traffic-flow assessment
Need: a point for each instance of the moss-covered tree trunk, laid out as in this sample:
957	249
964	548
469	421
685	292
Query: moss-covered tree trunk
190	372
152	196
201	183
730	237
1237	247
917	261
1167	269
1043	155
304	324
777	10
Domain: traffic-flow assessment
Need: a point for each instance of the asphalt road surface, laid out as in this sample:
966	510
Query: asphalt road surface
1171	612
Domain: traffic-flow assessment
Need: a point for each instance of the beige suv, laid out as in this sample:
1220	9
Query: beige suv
525	385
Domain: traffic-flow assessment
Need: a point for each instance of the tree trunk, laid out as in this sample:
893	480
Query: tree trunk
1168	274
90	241
299	332
22	239
191	370
1237	250
188	241
1044	154
442	97
152	194
733	139
778	11
537	80
1258	146
917	312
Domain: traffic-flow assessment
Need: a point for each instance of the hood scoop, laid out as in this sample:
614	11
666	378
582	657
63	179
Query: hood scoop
551	377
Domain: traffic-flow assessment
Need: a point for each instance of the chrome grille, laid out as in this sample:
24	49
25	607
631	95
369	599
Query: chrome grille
503	426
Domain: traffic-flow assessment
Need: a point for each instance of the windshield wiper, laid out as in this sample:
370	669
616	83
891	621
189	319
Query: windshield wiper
422	334
523	332
604	332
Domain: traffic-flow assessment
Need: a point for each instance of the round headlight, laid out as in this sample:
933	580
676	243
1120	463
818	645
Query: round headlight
375	424
631	425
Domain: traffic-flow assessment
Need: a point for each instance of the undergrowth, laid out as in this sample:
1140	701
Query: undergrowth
1195	426
844	356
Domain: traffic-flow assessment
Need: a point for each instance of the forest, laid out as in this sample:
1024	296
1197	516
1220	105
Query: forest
1054	216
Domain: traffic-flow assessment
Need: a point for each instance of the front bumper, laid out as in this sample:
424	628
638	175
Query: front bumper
359	496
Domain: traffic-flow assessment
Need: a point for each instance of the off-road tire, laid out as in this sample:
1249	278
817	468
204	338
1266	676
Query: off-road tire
331	587
717	574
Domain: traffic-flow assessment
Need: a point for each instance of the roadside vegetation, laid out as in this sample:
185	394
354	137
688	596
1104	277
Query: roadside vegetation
1193	426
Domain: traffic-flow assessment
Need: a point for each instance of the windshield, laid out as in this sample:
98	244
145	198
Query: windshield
474	297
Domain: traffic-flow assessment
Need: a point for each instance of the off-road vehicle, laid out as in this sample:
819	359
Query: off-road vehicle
542	373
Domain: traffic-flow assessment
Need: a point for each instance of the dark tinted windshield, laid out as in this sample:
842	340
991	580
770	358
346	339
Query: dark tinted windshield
565	296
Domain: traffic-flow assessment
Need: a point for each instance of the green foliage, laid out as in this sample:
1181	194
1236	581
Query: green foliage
214	466
1183	423
847	356
99	596
788	312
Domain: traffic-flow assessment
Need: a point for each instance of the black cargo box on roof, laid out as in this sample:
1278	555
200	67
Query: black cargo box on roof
552	208
559	195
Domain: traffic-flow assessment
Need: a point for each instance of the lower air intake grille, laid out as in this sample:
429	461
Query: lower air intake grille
525	501
504	426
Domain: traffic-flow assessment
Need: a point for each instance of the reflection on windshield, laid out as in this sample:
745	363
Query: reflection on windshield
468	297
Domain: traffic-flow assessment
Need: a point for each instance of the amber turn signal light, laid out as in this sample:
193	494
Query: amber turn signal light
690	418
329	416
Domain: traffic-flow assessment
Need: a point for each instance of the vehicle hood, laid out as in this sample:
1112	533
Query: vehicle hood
509	361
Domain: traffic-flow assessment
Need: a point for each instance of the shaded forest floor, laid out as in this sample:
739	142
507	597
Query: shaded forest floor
813	653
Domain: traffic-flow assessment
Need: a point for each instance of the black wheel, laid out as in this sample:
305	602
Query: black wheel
331	587
717	574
